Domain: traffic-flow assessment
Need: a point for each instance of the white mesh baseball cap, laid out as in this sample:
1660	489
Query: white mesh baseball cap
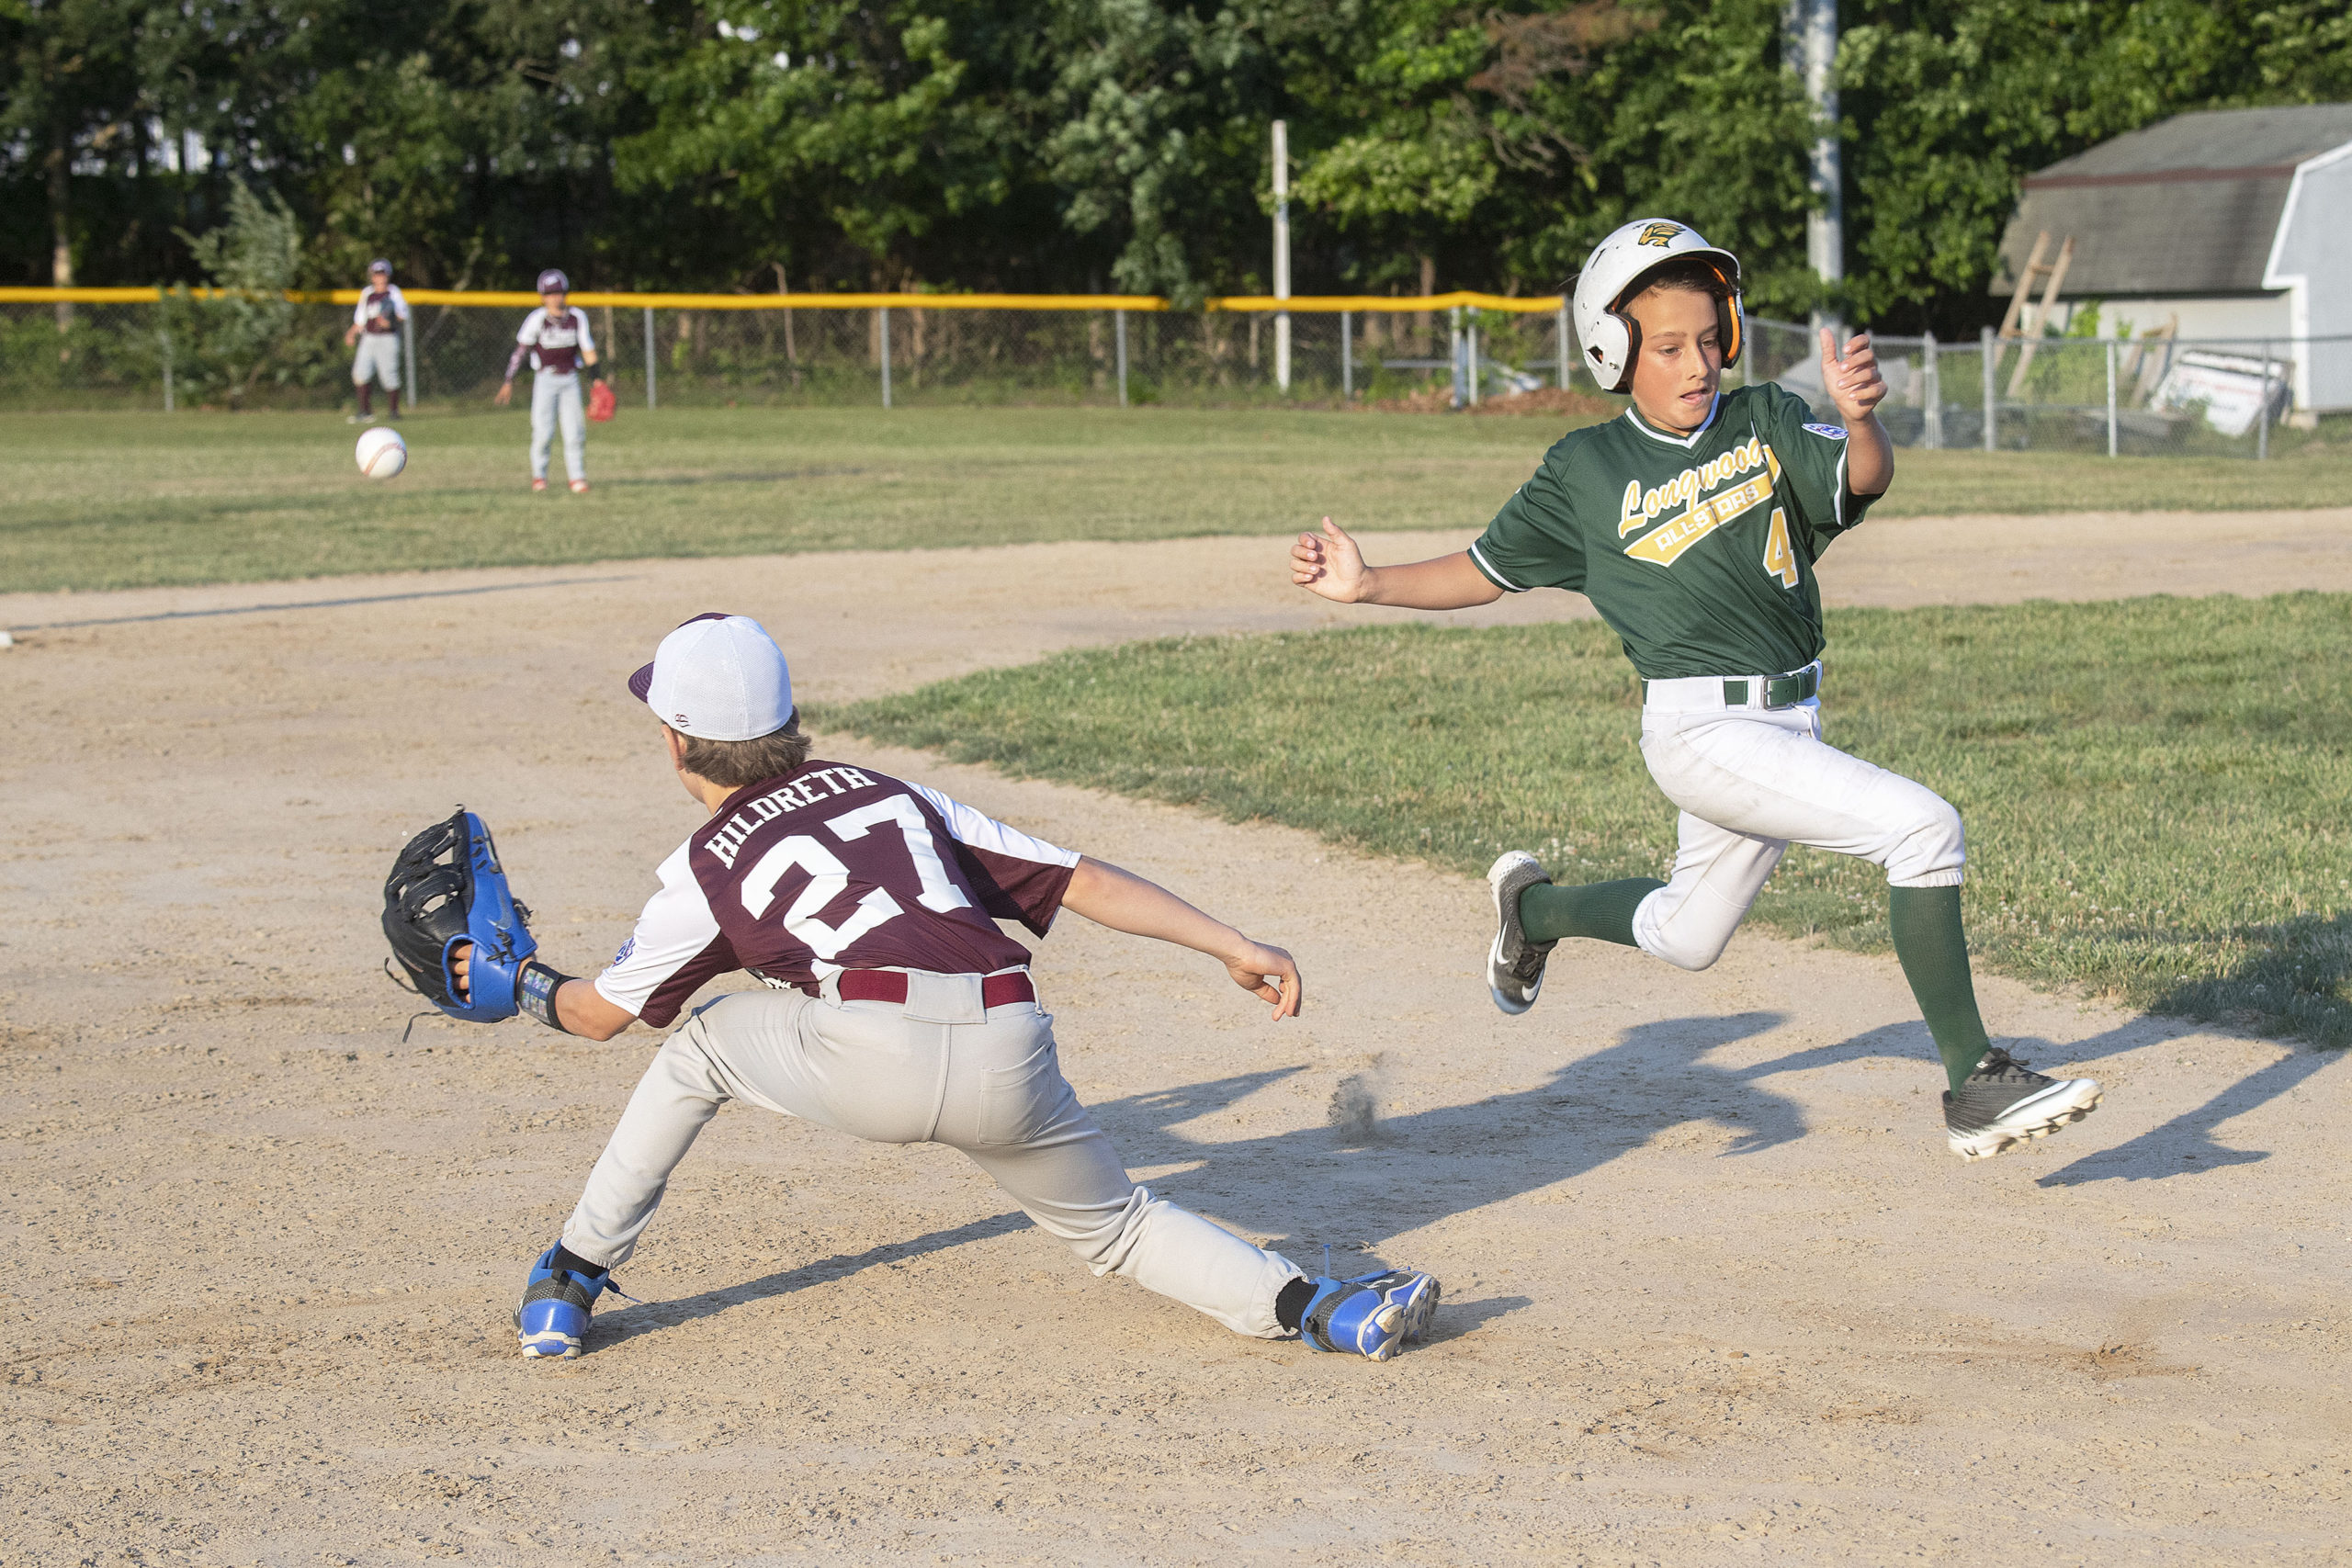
721	677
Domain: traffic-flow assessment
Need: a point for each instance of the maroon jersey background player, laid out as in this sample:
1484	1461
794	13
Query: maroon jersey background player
555	339
374	332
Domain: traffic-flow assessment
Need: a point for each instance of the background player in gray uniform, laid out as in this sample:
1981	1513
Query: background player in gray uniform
375	331
556	339
897	1011
1692	521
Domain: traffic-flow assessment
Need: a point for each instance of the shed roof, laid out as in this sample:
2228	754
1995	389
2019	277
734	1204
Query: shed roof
2187	206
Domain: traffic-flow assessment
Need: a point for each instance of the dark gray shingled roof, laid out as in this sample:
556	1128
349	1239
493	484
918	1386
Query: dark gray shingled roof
2187	206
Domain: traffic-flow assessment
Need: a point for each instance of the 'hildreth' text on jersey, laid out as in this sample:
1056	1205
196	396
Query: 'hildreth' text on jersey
728	842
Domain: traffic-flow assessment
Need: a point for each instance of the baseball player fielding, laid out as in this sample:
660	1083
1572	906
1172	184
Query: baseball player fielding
556	343
374	336
1694	523
897	1011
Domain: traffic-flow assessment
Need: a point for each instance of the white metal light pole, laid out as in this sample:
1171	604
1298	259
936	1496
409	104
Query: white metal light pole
1282	251
1810	30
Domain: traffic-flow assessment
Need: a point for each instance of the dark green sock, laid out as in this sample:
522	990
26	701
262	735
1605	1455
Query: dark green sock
1603	910
1934	953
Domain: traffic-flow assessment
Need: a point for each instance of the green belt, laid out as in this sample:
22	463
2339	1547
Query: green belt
1780	691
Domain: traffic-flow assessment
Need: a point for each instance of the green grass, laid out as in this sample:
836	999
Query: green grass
2158	792
116	500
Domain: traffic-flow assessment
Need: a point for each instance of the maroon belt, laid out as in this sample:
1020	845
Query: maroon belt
890	985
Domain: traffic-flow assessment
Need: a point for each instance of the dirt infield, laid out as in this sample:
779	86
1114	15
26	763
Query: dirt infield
1714	1289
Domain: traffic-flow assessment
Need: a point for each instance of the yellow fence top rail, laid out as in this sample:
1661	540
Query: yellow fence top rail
76	296
514	299
1330	304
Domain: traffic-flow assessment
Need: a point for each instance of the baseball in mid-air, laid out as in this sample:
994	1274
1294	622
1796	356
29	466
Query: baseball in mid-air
381	452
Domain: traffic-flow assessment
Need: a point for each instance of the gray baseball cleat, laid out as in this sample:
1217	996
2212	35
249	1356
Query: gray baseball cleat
2003	1105
1514	965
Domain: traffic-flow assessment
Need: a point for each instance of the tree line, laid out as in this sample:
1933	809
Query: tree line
1083	145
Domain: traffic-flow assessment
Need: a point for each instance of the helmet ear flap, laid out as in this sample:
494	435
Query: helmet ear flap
1632	348
1610	338
1731	329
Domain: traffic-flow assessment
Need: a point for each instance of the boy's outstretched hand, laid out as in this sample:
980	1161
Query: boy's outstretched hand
1111	895
1852	377
1331	567
1268	973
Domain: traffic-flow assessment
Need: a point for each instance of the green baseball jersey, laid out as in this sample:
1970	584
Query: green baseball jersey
1697	549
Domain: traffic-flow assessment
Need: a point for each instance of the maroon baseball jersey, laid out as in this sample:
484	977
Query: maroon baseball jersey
381	311
553	340
832	868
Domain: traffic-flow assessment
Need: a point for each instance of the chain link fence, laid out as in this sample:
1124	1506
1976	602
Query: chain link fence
2145	397
183	353
2149	396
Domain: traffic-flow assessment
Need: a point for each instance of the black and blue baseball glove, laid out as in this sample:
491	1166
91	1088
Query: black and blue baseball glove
446	889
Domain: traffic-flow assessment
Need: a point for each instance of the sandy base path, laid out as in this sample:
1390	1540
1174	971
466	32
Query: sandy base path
859	622
1714	1289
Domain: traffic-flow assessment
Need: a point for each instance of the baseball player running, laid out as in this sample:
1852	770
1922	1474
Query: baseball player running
374	328
556	339
1693	522
897	1011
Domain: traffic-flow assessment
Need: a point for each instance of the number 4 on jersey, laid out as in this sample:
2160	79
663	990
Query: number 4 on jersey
1780	560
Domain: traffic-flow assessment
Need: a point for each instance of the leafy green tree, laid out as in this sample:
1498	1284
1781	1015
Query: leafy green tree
235	339
843	134
70	81
1160	137
1082	145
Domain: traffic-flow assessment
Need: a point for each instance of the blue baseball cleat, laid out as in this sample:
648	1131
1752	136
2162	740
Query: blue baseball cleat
1374	1316
553	1318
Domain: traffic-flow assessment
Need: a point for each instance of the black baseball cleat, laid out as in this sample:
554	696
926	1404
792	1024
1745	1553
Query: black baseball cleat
2003	1105
1514	965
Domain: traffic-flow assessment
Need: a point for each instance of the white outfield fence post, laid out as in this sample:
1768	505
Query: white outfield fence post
1560	341
2262	414
1119	332
884	313
2110	398
1931	425
167	335
1282	252
649	357
1985	346
1346	358
408	353
1453	352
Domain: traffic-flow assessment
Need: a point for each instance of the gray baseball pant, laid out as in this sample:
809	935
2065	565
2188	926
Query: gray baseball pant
939	1068
554	397
377	355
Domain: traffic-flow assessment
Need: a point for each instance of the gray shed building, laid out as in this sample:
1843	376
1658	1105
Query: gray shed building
2233	224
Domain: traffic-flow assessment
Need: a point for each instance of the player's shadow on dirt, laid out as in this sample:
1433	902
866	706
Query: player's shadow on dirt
2296	969
649	1317
2184	1146
1455	1319
1397	1174
1403	1172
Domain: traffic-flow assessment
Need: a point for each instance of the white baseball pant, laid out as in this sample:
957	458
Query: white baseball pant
988	1082
1752	781
379	356
554	397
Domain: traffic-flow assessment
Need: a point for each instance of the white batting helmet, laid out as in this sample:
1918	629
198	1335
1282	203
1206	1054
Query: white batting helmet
1613	273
